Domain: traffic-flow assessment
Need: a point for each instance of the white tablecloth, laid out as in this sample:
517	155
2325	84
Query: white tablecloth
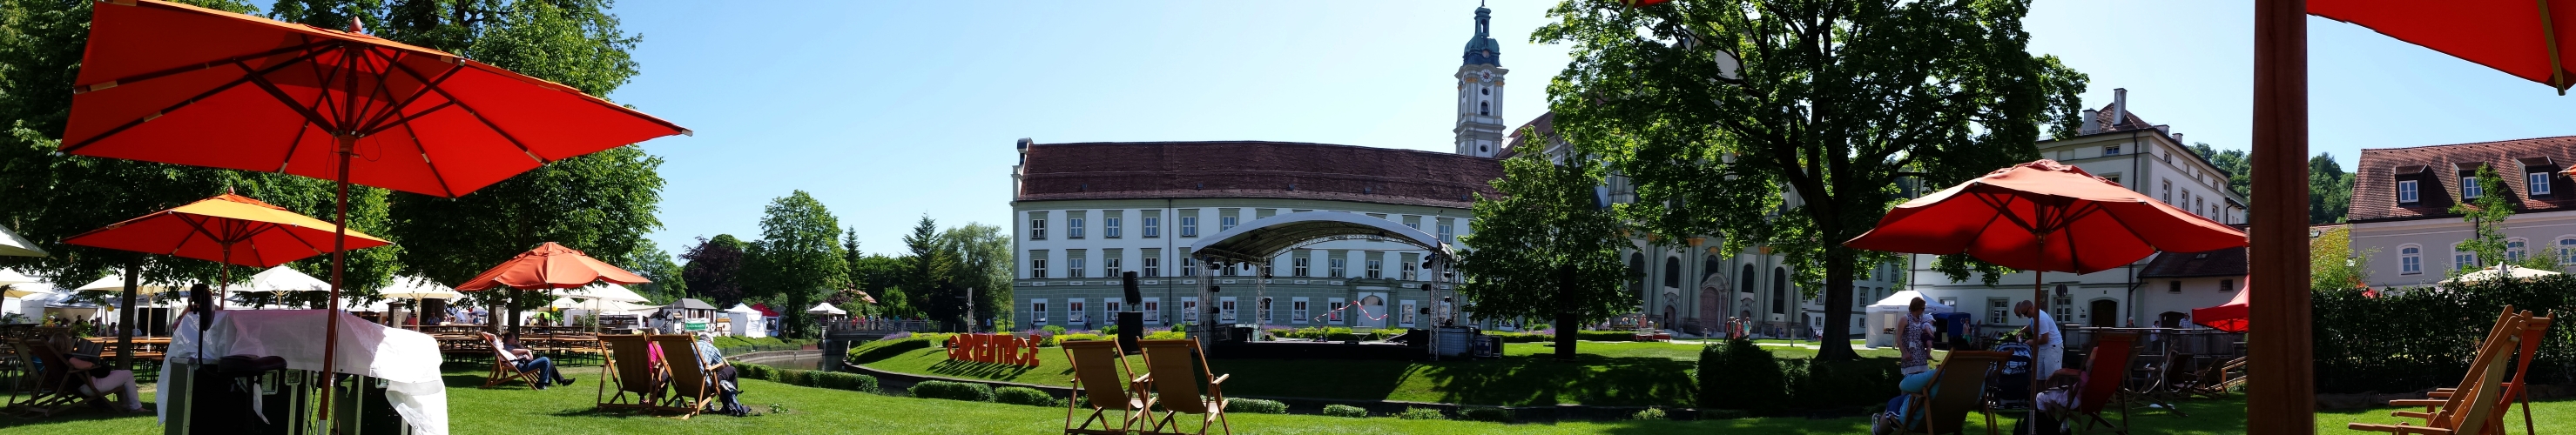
407	360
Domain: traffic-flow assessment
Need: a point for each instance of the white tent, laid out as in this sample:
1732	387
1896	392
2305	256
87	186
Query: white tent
746	321
13	245
12	277
26	298
2497	272
826	309
606	292
113	283
1882	317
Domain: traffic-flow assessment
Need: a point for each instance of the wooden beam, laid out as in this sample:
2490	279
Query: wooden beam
2281	387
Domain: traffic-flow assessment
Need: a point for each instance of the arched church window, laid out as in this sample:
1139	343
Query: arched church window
1673	272
1482	108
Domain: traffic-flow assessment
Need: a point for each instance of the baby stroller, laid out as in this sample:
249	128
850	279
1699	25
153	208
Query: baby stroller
2009	385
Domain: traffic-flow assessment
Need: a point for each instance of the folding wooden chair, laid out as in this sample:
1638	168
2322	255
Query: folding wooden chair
631	368
2531	333
505	365
2107	366
692	388
1172	379
1100	369
55	387
1959	387
2472	407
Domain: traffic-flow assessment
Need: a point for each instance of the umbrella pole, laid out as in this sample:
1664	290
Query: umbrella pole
339	261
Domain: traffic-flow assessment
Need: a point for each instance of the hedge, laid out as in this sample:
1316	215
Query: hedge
845	381
1344	411
970	392
1741	376
1650	414
1521	337
1255	406
1023	396
1422	414
1167	335
1482	413
2410	340
1335	333
1592	335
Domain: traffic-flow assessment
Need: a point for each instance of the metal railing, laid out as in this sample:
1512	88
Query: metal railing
878	325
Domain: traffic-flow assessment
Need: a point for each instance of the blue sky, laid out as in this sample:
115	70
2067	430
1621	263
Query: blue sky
887	111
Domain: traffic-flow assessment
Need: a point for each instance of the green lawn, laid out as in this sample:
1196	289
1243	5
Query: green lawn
1608	373
811	410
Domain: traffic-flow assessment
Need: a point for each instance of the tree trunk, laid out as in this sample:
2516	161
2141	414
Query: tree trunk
1567	322
125	317
1836	344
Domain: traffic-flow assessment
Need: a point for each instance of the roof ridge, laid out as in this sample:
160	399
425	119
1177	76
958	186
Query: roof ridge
2492	142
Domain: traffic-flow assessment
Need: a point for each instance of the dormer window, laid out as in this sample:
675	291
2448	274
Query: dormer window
2406	192
2539	182
2469	188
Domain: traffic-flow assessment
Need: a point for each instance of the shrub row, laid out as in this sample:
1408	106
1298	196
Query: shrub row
1345	411
1522	337
1255	406
1334	333
1591	335
1739	375
808	378
2410	340
1024	396
1422	414
971	392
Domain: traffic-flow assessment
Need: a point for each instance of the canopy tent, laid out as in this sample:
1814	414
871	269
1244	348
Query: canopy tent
826	309
1883	316
12	277
282	279
413	287
2499	272
746	321
11	244
407	360
111	282
606	292
740	308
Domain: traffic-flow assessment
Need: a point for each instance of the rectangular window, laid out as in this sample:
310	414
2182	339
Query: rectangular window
1860	297
1340	267
2463	260
1407	313
1073	228
1074	267
1189	266
1998	311
1225	223
2112	150
2176	287
2469	188
1335	315
1297	311
2406	191
1074	312
2227	285
1153	308
1153	266
1189	226
1446	231
1225	309
1375	268
1111	267
1037	226
1189	309
2539	182
1297	266
1037	264
2410	261
1153	226
1111	305
2167	196
1406	270
1109	227
1037	311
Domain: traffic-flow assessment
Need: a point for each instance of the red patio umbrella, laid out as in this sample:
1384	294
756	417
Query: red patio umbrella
550	266
2044	216
2531	39
179	84
215	229
2228	317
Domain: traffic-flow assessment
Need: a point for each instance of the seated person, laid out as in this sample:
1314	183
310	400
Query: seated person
726	384
99	381
1914	350
2058	396
528	362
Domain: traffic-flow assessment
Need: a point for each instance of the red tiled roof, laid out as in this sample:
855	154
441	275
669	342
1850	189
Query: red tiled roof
1545	124
2132	122
2223	262
1253	169
2374	196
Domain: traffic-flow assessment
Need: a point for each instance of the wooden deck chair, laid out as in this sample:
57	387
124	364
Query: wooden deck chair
2213	381
505	365
2473	405
2158	387
2531	332
1100	371
55	388
631	368
692	388
2106	368
1176	387
1959	387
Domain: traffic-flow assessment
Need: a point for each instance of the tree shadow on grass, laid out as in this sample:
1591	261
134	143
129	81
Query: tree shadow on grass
1325	379
1544	380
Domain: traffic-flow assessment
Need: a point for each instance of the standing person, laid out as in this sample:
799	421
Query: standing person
2047	346
1914	359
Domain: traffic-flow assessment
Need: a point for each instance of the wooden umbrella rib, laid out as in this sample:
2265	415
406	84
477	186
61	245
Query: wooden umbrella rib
137	78
427	84
2549	34
382	93
299	106
85	143
487	122
433	164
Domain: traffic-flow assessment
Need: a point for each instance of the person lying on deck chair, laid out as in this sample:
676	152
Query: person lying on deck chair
101	381
727	387
528	361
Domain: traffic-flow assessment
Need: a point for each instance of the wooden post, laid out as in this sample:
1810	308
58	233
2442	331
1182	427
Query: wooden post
2281	387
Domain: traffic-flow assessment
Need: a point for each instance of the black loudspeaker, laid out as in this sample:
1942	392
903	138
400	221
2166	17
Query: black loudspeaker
1131	326
1129	281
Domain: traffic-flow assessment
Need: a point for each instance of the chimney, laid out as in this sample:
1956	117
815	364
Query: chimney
2091	123
2119	107
2178	139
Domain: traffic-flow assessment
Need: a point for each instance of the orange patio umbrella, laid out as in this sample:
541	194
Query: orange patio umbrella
228	228
2044	216
179	84
550	266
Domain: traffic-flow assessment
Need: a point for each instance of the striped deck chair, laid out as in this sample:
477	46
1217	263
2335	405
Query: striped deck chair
692	388
634	370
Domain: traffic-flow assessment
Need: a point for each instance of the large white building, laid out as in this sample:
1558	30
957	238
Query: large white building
2115	144
2402	197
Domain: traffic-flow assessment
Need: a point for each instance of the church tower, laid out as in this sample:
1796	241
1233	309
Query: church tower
1480	92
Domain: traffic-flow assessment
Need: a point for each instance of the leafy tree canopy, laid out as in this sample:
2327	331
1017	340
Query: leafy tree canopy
797	260
1544	249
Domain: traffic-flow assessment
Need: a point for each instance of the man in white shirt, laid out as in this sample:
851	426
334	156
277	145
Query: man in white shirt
2047	346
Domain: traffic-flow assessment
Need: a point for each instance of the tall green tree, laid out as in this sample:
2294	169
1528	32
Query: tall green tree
1800	148
2329	190
2486	215
714	270
983	269
797	260
2333	264
883	276
601	203
649	260
1545	249
930	273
